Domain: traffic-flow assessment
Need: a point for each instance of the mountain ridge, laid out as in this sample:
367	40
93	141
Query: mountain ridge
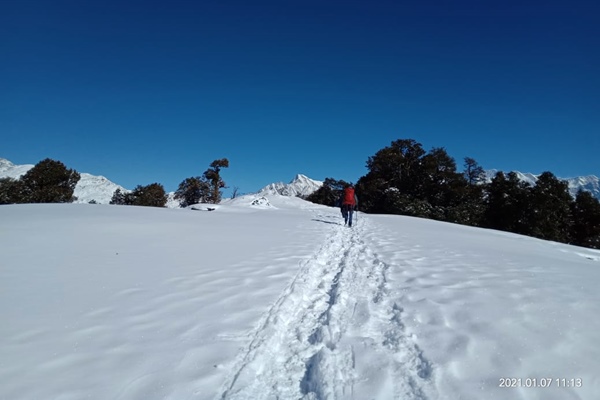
100	189
301	185
590	183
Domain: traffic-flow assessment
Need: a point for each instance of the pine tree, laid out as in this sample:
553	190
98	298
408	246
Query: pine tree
441	186
474	173
506	203
49	181
152	195
118	198
585	230
192	191
394	171
329	193
472	204
550	209
11	191
213	176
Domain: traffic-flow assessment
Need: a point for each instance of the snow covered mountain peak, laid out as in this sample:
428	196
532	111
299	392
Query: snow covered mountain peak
5	164
301	185
96	188
590	183
301	178
10	170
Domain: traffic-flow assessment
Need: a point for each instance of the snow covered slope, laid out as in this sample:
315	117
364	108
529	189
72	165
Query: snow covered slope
98	188
301	185
10	170
280	300
590	183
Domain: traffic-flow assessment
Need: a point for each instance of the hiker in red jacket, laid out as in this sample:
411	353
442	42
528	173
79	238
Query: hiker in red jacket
349	203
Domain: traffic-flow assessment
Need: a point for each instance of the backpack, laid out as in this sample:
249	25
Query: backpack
349	196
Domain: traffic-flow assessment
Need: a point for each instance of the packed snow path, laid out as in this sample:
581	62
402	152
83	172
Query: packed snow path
336	313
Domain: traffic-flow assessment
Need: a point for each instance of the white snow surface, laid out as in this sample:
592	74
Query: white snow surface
282	301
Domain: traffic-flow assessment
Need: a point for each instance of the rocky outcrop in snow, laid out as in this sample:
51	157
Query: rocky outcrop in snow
261	202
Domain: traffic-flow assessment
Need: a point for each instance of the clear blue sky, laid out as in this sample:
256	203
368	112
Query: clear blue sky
153	91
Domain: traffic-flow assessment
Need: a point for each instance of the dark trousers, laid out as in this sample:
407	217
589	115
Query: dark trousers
347	211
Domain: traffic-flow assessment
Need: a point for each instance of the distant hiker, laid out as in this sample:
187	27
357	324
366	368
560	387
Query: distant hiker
349	203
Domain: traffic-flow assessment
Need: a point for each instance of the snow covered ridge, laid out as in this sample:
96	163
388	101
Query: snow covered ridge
301	185
100	189
10	170
590	183
96	188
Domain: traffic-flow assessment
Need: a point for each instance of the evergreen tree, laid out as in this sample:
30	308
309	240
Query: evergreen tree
118	198
11	191
152	195
49	181
129	198
506	204
550	209
372	194
441	186
404	179
213	176
474	173
393	171
473	206
585	230
329	193
192	191
396	202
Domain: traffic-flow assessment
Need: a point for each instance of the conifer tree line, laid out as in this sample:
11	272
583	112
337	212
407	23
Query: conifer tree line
50	181
402	179
405	179
193	190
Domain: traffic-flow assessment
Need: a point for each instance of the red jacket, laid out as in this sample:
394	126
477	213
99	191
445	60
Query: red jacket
349	197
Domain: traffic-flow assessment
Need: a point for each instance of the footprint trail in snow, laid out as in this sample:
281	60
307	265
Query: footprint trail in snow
334	319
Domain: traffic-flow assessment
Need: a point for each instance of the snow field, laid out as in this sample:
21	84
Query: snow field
485	305
283	301
133	303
